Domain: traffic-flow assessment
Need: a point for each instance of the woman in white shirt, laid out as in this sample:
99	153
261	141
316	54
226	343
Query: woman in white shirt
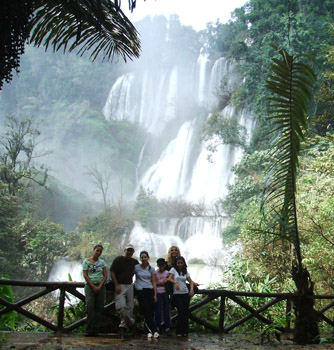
178	275
146	290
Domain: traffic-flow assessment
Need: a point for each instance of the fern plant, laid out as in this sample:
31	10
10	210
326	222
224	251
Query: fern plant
291	82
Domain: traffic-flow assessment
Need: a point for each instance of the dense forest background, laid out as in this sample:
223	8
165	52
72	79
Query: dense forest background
51	115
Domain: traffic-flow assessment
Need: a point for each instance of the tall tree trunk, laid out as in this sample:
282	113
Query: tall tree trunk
306	329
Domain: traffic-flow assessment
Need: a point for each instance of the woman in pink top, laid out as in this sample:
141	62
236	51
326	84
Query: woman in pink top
162	304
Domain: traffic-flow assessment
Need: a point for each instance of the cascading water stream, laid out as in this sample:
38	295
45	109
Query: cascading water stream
152	98
183	169
202	70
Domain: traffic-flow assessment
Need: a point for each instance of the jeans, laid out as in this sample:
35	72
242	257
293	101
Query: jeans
181	302
146	304
162	305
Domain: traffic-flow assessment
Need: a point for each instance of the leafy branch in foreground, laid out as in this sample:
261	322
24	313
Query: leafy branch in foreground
291	82
98	26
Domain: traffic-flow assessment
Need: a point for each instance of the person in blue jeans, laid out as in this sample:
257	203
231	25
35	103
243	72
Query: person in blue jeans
162	304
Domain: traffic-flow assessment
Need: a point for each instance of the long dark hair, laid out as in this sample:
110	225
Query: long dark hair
183	271
145	252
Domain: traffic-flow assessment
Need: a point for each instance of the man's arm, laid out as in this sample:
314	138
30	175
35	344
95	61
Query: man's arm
114	279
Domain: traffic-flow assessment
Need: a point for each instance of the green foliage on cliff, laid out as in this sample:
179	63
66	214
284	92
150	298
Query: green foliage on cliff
148	209
301	27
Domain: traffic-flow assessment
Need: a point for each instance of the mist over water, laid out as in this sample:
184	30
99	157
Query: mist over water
167	95
172	104
65	270
182	169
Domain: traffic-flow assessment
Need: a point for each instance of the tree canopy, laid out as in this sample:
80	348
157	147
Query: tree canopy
97	26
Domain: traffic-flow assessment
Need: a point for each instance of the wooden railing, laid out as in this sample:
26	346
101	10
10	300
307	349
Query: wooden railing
234	296
221	294
63	287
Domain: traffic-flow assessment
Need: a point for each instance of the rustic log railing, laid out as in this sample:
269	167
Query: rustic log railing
221	294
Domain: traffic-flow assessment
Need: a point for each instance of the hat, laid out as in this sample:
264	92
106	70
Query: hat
161	261
129	246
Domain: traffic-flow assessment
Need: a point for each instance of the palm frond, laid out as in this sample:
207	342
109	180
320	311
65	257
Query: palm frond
98	26
291	82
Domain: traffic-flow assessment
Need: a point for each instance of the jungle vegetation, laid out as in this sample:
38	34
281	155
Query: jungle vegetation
264	264
283	243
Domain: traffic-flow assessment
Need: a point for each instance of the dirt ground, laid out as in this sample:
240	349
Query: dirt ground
51	341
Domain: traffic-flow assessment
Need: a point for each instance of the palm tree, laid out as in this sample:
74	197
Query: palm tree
291	83
98	26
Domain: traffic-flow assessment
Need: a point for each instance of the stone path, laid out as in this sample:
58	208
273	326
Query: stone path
50	341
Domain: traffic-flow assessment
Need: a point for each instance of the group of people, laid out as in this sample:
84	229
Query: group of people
151	289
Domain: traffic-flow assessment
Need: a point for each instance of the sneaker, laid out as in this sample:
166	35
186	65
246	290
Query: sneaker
149	335
168	331
156	335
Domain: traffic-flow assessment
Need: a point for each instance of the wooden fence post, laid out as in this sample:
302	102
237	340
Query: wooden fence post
222	313
60	325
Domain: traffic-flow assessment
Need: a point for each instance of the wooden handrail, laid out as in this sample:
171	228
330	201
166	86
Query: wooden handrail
211	294
40	283
69	287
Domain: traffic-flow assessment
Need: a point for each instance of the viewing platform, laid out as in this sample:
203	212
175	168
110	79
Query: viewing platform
195	341
223	334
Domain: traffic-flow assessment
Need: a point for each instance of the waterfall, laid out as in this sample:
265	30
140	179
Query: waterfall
183	169
61	270
147	98
169	177
197	238
202	67
157	100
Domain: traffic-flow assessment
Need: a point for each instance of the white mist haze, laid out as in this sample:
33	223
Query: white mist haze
195	13
171	101
169	94
140	124
172	84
